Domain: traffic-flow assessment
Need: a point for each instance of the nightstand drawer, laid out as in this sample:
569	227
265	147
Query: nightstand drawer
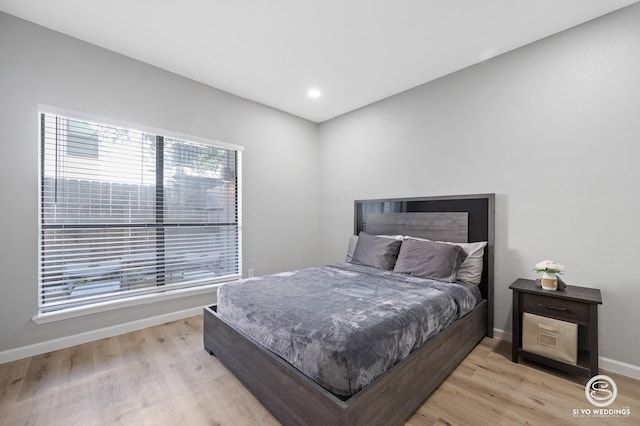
562	309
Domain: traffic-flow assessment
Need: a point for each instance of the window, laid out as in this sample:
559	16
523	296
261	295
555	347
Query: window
82	139
126	212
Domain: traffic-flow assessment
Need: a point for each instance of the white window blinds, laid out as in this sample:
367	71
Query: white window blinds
126	212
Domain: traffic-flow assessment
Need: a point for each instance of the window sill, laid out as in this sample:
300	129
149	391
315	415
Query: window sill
64	314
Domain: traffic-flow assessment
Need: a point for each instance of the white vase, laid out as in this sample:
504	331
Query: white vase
549	281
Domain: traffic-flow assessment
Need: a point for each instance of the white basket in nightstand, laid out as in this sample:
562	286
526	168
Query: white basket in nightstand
550	337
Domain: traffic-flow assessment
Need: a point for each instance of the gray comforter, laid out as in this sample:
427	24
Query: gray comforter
343	325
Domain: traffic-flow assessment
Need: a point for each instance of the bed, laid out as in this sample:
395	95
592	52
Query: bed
394	394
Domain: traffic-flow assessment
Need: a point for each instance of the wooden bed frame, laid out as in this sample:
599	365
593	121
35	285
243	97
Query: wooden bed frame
392	398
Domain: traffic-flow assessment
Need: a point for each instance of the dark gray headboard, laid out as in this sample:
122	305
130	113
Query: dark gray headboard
455	218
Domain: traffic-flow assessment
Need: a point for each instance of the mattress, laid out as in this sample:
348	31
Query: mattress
343	325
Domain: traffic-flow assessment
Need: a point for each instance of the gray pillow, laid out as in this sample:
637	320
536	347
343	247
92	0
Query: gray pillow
470	271
375	251
430	259
354	240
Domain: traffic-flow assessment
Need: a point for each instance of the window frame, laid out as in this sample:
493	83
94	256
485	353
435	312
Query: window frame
155	293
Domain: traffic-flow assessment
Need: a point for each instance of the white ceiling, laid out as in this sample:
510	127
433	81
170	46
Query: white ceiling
355	51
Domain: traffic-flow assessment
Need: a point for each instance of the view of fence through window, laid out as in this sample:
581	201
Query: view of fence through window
125	212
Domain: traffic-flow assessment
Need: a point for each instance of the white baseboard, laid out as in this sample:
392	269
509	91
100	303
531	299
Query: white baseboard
619	367
89	336
501	334
612	365
608	364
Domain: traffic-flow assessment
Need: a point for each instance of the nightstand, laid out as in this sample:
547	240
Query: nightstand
578	305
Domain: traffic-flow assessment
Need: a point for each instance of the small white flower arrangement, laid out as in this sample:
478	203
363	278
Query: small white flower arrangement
549	267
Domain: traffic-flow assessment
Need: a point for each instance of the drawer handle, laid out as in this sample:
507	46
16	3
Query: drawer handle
555	308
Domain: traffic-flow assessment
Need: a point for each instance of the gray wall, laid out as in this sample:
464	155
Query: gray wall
552	128
38	66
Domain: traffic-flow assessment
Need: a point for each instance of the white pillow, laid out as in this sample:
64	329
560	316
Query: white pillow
470	271
353	241
352	246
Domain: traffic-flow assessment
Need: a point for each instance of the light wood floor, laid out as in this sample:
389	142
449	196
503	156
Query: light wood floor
163	376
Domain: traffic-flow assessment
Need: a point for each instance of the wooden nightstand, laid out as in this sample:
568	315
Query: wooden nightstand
578	305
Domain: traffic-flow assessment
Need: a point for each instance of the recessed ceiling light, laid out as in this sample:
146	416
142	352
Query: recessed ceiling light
314	93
